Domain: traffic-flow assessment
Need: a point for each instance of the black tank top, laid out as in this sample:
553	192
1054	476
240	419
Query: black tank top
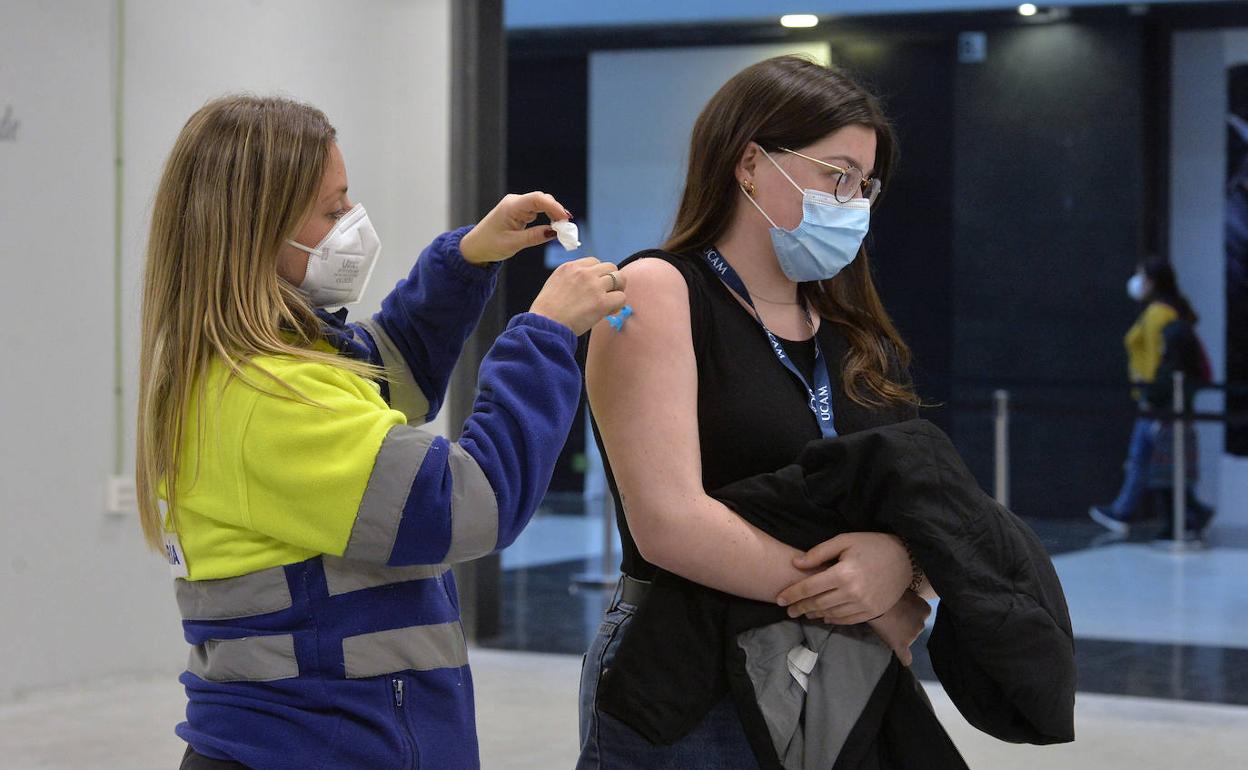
753	415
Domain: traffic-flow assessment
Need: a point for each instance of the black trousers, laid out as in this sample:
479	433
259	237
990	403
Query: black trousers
194	761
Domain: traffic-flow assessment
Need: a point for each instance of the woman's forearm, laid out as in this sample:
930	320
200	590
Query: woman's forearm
710	545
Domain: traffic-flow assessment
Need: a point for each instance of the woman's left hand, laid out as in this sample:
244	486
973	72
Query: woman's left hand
505	230
871	573
902	625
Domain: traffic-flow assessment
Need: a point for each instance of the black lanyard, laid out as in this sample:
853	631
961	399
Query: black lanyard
821	393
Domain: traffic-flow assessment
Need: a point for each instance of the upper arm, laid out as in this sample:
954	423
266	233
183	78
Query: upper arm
1160	390
1157	319
424	321
643	390
346	476
405	393
349	478
306	466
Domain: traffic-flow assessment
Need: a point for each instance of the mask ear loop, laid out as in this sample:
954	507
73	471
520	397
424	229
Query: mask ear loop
750	198
301	247
796	186
348	219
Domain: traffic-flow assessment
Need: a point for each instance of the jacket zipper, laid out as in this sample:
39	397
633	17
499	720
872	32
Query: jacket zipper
398	687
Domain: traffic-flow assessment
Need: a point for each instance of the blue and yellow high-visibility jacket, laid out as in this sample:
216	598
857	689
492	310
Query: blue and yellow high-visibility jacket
317	531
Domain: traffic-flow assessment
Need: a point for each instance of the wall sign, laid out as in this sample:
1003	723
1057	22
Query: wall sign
972	47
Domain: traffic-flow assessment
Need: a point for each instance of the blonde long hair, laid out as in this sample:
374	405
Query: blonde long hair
242	176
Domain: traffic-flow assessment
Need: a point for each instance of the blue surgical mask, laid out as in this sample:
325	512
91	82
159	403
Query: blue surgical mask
827	239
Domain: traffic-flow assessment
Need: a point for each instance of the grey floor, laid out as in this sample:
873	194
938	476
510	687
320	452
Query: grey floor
527	721
1162	643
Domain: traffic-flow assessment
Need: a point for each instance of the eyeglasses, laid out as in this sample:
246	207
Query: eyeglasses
850	183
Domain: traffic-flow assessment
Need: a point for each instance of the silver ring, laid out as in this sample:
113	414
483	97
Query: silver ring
615	282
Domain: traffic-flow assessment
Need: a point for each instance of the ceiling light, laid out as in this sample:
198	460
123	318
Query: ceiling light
1027	9
799	20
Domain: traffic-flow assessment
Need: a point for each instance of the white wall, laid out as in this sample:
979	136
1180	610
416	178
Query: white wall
381	73
72	585
79	597
1198	179
642	106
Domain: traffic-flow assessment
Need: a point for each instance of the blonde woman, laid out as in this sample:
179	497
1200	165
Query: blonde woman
309	522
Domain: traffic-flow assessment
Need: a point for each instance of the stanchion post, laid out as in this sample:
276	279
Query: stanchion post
608	575
1001	436
1179	456
608	536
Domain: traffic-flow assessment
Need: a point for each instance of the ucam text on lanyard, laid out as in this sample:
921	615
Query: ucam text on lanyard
821	393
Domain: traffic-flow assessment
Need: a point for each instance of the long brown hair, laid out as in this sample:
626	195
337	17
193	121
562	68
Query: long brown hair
242	176
1166	287
790	101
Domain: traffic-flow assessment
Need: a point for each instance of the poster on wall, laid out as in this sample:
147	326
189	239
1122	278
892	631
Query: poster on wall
1237	253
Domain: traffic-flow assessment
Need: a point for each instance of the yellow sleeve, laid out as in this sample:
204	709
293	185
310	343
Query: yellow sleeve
1144	341
306	465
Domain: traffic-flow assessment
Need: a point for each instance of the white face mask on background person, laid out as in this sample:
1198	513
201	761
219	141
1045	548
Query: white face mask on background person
1138	287
827	239
341	264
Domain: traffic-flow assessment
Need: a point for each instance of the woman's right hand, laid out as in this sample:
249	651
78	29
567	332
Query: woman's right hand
581	293
901	625
505	230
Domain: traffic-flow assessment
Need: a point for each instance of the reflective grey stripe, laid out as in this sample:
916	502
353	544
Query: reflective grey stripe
418	648
377	522
405	395
344	575
474	509
236	597
250	659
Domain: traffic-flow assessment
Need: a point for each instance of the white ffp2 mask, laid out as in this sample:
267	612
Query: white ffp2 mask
341	264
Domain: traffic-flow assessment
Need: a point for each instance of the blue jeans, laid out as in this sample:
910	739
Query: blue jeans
1135	482
717	743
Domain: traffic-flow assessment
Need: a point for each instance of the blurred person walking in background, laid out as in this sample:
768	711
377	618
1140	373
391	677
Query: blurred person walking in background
1162	341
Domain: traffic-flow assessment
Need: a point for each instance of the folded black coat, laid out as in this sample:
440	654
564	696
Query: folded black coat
1001	645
